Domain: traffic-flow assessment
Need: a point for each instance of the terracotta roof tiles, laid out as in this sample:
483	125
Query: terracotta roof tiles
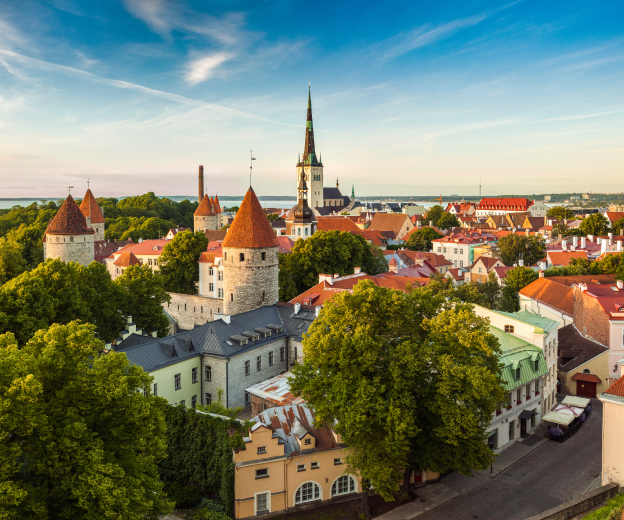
147	247
617	388
340	223
553	294
562	258
127	259
251	228
205	208
389	222
89	208
69	220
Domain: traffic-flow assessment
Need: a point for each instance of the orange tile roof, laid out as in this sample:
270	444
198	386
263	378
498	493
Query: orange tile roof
563	258
217	204
208	257
69	220
205	208
592	378
388	222
612	216
339	223
510	203
89	208
553	294
147	247
617	388
251	228
456	273
127	259
487	261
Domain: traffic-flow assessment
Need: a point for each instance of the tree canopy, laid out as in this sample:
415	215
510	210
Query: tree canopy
178	262
326	252
513	245
421	239
433	215
78	438
407	379
611	264
560	213
448	220
595	224
618	227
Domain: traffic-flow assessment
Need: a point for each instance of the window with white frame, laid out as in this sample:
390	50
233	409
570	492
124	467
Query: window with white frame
220	277
301	467
211	271
262	502
307	493
343	485
220	293
211	287
314	465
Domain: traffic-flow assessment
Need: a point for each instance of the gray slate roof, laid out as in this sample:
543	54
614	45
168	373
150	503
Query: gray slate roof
214	337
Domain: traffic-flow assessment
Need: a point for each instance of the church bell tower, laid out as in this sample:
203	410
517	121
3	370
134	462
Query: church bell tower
309	166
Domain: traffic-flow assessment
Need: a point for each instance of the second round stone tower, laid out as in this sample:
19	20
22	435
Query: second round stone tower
250	259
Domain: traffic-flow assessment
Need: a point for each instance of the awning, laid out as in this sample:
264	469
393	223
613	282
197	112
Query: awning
591	378
558	418
526	414
572	400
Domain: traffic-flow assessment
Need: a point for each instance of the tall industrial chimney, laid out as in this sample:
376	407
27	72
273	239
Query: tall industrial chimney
201	183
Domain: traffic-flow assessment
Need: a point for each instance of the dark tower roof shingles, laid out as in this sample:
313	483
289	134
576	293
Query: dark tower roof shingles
69	220
309	152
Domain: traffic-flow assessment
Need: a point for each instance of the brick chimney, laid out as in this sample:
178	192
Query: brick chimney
201	184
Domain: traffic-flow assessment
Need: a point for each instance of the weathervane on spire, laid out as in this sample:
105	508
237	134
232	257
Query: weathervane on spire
69	189
251	165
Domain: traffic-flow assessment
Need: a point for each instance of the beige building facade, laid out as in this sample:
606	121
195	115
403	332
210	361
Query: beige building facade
612	428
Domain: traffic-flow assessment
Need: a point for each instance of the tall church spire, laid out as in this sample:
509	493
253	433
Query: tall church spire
309	153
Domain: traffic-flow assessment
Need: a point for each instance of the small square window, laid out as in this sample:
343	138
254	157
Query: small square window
261	450
509	328
183	402
308	441
301	467
262	473
314	465
337	462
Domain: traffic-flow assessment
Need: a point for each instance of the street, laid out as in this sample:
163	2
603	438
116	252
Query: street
546	477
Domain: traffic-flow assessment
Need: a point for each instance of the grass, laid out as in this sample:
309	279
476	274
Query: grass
612	510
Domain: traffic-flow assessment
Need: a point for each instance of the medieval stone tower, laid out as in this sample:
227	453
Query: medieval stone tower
310	166
207	216
68	237
250	259
93	215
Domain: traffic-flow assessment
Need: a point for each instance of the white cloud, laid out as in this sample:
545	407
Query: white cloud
203	68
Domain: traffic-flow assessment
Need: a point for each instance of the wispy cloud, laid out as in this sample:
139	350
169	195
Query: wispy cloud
586	116
424	35
203	68
47	66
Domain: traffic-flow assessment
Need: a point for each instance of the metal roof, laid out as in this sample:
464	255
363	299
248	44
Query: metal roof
540	323
276	390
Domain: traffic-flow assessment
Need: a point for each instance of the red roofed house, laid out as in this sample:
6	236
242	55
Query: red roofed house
396	224
549	298
123	261
501	206
461	208
480	269
146	252
457	275
563	258
613	216
68	237
458	248
413	258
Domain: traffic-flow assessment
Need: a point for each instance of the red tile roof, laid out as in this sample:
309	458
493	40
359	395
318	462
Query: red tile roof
487	261
584	278
338	223
509	204
612	216
285	244
502	271
205	208
456	273
217	204
89	208
553	294
591	378
617	388
251	228
562	258
147	247
389	222
416	257
127	259
69	220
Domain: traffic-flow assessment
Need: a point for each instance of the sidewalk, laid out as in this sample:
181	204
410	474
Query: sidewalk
429	497
516	451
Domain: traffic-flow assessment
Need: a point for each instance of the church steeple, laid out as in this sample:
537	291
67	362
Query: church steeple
309	152
352	192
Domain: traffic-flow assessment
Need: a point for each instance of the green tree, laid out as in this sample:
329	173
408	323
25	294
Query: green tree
448	220
561	213
433	215
272	217
618	227
421	239
81	438
514	246
145	296
595	224
12	262
407	379
327	252
178	262
519	277
562	230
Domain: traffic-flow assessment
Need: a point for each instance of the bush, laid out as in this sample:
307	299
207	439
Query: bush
611	511
206	514
183	496
211	505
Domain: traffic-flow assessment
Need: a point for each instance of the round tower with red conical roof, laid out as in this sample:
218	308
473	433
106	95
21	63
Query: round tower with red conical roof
93	215
68	237
205	217
250	259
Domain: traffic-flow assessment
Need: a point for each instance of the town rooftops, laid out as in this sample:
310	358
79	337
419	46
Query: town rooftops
508	204
575	349
146	248
389	222
69	220
250	228
609	297
276	390
615	390
336	223
126	259
563	258
89	208
551	293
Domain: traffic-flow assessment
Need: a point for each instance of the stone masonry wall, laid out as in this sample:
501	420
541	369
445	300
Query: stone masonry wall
238	382
99	230
210	223
70	248
245	282
189	310
218	378
590	318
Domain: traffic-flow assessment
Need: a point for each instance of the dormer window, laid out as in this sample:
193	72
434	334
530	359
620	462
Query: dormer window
308	442
536	365
518	374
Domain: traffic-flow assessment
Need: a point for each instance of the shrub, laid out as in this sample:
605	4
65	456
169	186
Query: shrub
206	514
183	496
211	505
611	511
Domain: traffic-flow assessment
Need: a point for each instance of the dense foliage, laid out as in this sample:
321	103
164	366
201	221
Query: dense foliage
432	216
59	292
421	239
560	213
448	220
612	264
178	262
513	246
595	224
408	379
78	439
199	452
326	252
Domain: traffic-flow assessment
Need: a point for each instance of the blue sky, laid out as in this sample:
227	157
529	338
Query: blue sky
408	97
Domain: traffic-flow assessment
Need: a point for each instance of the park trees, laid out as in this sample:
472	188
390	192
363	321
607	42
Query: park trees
78	437
408	379
326	252
595	224
421	239
178	262
12	262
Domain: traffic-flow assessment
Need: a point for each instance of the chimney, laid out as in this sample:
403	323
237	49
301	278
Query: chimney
542	265
201	183
563	245
610	236
583	243
590	237
330	279
620	284
575	241
550	222
336	275
297	308
618	246
357	270
431	223
541	273
604	247
317	311
107	346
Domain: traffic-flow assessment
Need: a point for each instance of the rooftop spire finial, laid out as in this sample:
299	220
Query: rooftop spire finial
69	188
250	165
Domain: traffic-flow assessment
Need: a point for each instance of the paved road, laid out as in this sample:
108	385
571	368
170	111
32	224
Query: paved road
545	478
